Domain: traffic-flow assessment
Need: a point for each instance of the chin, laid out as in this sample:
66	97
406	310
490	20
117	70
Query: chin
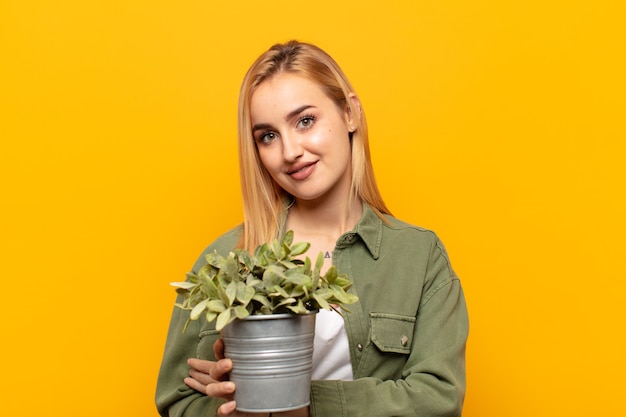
307	196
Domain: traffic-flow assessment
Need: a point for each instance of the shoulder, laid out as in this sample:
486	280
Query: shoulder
398	233
385	234
223	244
399	228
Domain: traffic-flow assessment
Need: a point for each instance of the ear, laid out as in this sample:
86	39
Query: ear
353	111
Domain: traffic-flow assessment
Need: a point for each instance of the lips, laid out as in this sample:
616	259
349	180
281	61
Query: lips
301	171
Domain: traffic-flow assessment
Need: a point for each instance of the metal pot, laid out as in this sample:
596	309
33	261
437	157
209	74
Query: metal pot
272	361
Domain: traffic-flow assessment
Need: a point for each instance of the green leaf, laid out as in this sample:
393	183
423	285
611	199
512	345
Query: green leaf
262	251
280	291
298	291
298	278
331	274
288	238
208	286
231	266
216	306
214	259
223	319
325	293
231	292
245	258
276	249
273	275
191	277
289	265
340	295
198	309
241	312
204	273
262	299
298	308
319	263
300	248
210	316
221	292
306	268
321	301
251	281
244	293
183	285
343	281
286	301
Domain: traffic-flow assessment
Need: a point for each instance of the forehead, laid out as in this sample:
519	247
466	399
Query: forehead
284	92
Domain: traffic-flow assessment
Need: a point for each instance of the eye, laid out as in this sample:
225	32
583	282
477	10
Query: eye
266	138
306	122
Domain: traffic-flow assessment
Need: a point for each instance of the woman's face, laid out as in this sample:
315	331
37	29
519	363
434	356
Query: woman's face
302	137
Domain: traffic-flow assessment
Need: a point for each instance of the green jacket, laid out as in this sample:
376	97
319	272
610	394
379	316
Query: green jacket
407	333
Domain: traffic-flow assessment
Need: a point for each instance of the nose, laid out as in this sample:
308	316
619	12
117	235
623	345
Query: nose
292	148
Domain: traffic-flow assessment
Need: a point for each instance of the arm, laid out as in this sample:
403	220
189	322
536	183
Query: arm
174	398
431	381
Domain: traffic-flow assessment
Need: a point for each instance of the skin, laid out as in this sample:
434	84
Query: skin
300	132
302	138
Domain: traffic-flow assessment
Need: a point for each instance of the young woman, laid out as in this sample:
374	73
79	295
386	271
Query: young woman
305	166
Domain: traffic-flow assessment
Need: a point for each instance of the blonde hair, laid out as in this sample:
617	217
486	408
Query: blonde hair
264	201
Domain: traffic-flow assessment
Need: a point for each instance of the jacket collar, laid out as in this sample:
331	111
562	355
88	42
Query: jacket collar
370	230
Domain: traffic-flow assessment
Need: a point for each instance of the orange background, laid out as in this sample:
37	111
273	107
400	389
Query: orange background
499	124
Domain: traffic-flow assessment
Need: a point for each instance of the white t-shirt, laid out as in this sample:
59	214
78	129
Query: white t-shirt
331	356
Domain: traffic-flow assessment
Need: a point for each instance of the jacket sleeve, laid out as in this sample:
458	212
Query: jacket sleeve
432	381
173	397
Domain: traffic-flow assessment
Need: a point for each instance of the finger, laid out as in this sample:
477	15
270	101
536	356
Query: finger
220	371
221	390
200	365
226	409
201	377
223	366
218	349
217	371
195	384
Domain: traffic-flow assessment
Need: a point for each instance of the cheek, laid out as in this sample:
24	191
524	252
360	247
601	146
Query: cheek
267	158
323	139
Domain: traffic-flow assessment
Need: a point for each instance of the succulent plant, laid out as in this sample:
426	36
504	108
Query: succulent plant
272	280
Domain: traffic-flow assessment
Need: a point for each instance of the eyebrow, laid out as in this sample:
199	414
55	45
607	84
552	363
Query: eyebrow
289	116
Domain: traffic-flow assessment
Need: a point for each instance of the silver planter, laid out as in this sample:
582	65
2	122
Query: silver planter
272	360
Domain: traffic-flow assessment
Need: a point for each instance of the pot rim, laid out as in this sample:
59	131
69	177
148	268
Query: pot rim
278	316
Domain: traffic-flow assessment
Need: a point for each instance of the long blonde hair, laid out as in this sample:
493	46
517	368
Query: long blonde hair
264	201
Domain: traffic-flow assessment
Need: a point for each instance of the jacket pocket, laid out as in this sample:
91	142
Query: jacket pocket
392	332
205	344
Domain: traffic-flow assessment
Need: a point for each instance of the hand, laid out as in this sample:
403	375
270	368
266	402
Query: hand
211	378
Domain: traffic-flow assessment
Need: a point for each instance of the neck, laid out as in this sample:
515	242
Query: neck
311	217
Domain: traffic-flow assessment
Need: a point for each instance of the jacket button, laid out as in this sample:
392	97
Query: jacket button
404	340
359	347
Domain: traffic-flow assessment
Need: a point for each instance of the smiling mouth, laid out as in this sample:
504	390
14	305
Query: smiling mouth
300	169
302	172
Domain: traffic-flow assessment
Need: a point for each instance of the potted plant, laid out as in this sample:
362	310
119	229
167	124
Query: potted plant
268	297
